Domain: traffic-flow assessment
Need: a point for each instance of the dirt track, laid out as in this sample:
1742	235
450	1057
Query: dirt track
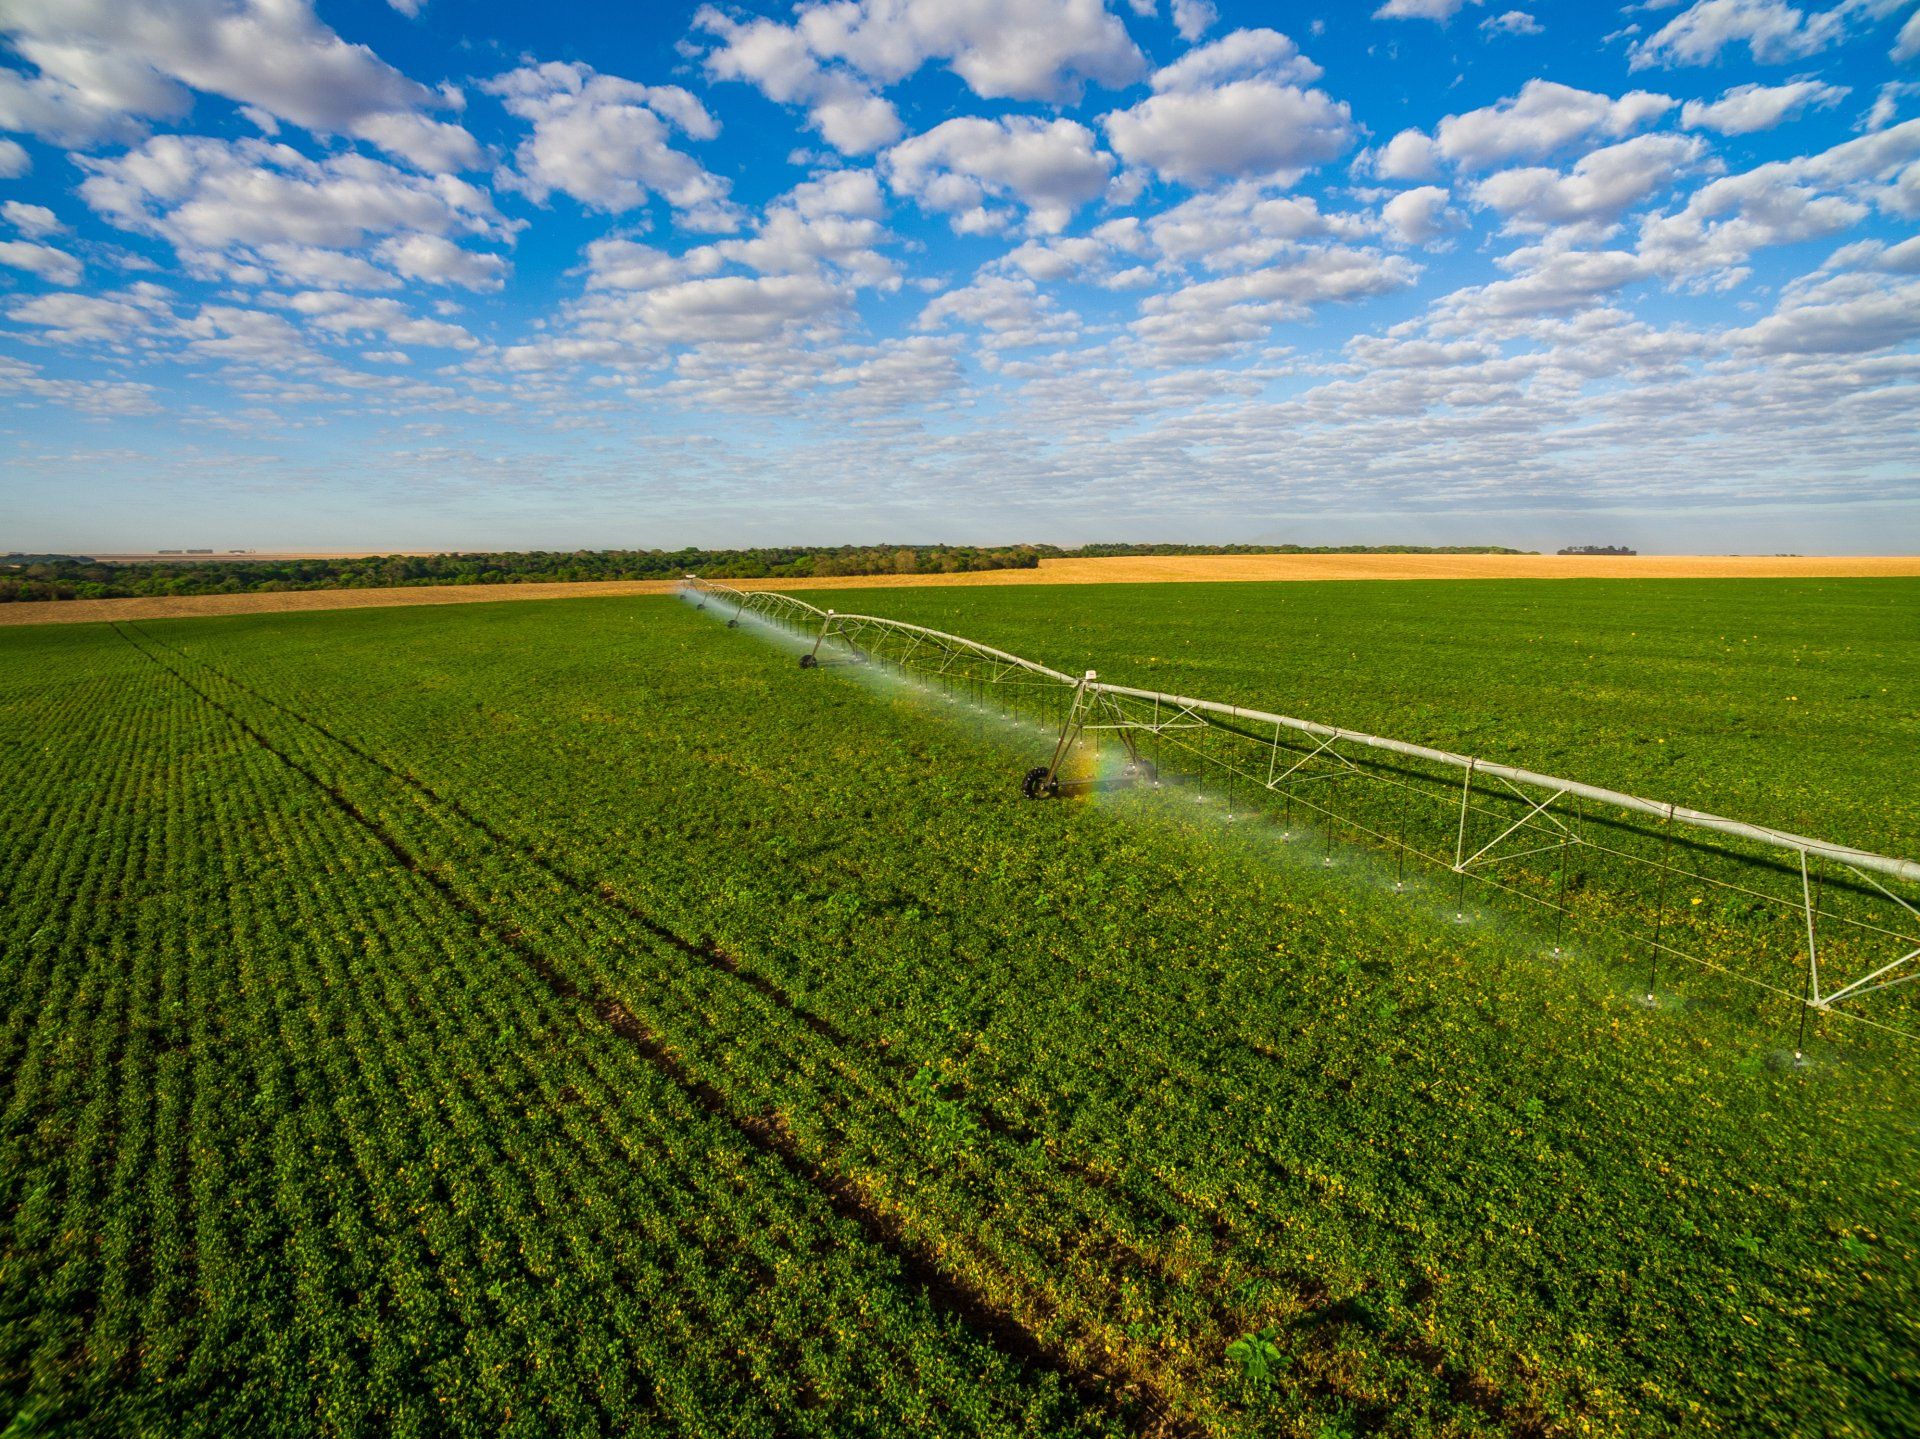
1148	569
33	612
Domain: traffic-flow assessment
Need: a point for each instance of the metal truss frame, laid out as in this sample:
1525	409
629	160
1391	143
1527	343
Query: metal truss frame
1541	825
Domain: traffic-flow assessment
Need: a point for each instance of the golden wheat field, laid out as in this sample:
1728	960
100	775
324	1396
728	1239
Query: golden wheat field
1129	569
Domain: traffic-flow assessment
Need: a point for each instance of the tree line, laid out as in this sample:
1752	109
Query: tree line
80	577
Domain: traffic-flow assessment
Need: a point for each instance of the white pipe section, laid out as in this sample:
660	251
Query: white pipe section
700	586
964	643
1698	819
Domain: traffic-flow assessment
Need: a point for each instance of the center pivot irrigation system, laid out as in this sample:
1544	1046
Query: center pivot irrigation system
1820	924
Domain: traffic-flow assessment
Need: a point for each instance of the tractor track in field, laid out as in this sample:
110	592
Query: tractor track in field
703	950
602	893
1320	1310
1141	1408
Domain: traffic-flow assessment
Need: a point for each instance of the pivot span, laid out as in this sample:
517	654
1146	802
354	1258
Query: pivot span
1824	924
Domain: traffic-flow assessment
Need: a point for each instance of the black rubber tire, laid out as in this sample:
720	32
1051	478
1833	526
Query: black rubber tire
733	624
1039	783
1141	770
808	662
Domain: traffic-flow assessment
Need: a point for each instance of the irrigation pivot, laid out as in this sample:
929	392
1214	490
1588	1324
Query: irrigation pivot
1822	924
1050	780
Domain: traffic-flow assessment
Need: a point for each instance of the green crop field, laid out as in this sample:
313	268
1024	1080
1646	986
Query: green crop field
575	1018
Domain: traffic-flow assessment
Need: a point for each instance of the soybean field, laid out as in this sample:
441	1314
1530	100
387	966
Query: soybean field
575	1018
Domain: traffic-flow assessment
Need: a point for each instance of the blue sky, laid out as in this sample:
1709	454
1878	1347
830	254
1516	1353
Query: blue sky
424	273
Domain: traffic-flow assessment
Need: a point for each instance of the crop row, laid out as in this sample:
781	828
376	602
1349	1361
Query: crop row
1138	1090
291	1142
1126	1275
987	1210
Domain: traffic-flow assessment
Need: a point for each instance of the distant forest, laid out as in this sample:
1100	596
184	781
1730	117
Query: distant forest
78	577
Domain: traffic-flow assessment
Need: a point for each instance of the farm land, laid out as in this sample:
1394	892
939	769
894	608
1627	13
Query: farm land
572	1017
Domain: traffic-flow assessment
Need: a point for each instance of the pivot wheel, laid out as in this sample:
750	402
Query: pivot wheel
808	662
733	624
1140	770
1040	783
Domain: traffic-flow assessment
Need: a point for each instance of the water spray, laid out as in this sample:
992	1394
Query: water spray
1077	710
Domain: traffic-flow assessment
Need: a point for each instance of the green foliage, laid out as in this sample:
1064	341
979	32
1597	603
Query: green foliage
1786	702
67	577
573	1018
1256	1356
58	577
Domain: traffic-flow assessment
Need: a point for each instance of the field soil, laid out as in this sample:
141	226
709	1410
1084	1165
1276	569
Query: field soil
167	607
1125	569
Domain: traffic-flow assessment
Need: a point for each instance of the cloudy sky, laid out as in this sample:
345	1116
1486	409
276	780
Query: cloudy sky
279	273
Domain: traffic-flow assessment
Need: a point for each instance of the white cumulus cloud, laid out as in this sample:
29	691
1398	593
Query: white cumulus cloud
1003	49
1847	314
112	319
34	220
438	261
608	142
1211	318
51	264
1543	118
1051	167
722	310
1599	188
311	265
837	55
829	226
1010	311
1441	10
1780	203
1409	155
841	104
103	68
1548	279
1237	227
249	210
343	314
1418	216
1906	45
1772	30
1232	109
1512	22
1886	104
1242	55
1193	18
1747	108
